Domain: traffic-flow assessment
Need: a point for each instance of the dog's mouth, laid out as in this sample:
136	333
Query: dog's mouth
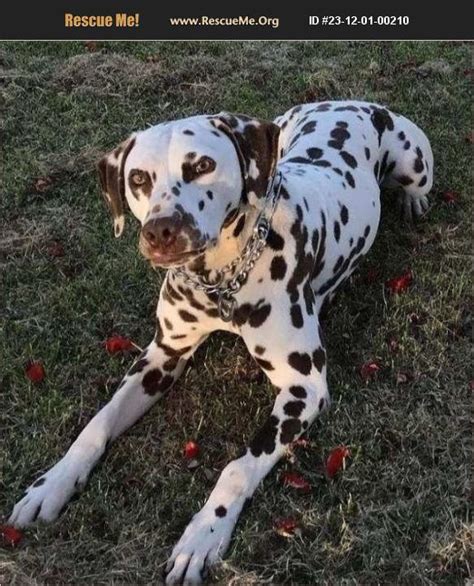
171	259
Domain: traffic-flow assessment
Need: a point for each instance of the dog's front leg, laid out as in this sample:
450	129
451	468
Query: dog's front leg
295	362
152	374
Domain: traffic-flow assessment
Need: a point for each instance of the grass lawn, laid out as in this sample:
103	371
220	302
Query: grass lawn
398	513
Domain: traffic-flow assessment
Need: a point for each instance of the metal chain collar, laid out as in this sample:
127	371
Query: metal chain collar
244	263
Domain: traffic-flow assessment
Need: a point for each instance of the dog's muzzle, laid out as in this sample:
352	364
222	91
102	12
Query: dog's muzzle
167	241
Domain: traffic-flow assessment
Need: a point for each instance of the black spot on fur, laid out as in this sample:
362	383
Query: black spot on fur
339	136
314	153
253	314
350	179
381	120
151	381
418	164
337	231
290	428
201	205
309	127
259	350
274	240
346	109
264	441
39	482
239	226
209	194
423	181
278	268
186	316
367	153
138	366
300	361
349	159
298	391
296	316
220	511
294	408
344	215
319	358
265	364
319	261
338	264
189	132
304	261
404	180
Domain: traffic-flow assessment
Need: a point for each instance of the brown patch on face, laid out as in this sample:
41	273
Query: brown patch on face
192	169
140	183
111	177
257	141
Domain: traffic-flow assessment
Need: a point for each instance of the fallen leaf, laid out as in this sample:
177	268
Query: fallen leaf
191	450
10	536
209	474
450	197
296	481
369	370
471	385
42	184
400	284
192	464
91	46
335	460
372	275
55	249
116	344
416	320
35	371
287	527
404	377
393	345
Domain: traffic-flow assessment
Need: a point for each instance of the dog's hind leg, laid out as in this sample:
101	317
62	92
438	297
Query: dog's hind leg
406	163
152	374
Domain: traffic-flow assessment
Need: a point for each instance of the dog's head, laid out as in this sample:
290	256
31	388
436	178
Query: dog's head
186	180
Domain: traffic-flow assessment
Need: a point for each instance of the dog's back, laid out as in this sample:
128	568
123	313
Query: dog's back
335	156
350	137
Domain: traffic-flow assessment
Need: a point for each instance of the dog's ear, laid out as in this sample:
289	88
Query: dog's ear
256	143
112	182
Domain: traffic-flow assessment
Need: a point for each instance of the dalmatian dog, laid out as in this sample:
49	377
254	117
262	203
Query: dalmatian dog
257	223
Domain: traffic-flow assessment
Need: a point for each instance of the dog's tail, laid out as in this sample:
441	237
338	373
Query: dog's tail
406	159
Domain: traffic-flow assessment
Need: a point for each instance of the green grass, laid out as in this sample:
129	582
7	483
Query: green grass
398	514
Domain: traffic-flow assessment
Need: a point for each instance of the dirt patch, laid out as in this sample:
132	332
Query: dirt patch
104	74
25	235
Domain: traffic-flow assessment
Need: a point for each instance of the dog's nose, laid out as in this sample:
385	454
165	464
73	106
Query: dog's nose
161	232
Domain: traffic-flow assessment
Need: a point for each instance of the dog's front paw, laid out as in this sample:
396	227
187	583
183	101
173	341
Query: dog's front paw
47	496
203	543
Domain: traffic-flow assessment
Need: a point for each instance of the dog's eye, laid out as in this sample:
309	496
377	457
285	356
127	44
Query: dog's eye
205	165
138	177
